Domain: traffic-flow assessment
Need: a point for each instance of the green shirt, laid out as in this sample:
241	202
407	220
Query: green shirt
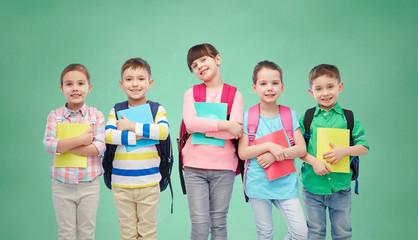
335	118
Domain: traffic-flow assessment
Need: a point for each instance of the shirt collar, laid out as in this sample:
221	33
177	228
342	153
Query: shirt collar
336	109
82	110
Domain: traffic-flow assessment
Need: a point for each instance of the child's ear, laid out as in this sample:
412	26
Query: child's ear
121	84
90	86
254	89
62	90
150	83
311	92
218	59
340	87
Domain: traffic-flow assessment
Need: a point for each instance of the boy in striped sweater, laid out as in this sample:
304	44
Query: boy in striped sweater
135	174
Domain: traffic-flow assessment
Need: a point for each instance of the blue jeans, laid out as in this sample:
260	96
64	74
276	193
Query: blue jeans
208	195
339	207
291	211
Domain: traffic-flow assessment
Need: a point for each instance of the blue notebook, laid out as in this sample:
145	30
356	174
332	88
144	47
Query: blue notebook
139	114
211	111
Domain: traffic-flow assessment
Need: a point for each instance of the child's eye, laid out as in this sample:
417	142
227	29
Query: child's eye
276	83
263	84
203	59
318	89
68	84
194	66
331	86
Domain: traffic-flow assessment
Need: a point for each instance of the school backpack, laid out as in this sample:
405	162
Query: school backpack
355	163
199	95
252	125
164	151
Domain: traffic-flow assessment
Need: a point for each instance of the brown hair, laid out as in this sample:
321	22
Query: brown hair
324	69
75	67
266	64
200	50
135	63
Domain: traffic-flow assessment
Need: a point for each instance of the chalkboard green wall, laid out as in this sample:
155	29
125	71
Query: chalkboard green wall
374	44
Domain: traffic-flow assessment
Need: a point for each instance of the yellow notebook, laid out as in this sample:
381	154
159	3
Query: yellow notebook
67	159
340	138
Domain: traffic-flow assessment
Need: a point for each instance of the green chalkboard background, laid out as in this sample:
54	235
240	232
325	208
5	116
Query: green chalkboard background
374	44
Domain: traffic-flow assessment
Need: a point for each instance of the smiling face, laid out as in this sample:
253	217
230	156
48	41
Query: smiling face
268	85
135	83
325	90
207	68
75	86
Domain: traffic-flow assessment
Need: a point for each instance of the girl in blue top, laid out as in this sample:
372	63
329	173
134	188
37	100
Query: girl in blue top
281	192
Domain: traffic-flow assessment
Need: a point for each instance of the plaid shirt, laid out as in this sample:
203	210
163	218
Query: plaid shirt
83	115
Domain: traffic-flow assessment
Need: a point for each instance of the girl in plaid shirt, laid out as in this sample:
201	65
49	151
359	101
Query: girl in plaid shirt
76	190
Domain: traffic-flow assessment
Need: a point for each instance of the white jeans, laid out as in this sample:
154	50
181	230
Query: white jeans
291	211
75	208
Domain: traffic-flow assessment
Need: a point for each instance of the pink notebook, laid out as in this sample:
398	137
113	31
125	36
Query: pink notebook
278	168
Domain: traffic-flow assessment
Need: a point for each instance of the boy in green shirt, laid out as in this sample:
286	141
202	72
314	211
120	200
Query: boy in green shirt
323	188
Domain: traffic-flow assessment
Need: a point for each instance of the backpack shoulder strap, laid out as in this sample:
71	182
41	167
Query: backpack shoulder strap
286	117
59	112
154	108
350	122
199	93
121	106
252	123
93	115
228	95
307	120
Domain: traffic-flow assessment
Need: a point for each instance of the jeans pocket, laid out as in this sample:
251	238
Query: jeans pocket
347	191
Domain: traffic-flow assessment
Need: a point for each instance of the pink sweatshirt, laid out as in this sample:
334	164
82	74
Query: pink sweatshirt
207	156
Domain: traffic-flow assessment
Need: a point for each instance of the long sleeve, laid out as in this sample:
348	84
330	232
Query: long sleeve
156	131
50	137
99	133
191	120
237	114
117	137
210	126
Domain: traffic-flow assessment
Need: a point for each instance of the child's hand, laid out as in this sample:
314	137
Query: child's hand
139	137
278	152
125	124
87	137
320	167
235	128
265	159
335	154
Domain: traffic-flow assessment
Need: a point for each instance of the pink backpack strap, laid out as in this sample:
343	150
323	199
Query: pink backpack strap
228	96
286	117
199	93
252	124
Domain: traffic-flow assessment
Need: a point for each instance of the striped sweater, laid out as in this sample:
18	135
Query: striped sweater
139	167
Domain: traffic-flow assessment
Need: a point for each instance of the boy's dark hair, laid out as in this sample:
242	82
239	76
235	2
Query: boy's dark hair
268	65
324	69
135	63
75	67
200	50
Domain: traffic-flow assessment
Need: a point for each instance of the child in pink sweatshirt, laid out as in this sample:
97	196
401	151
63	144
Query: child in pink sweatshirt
210	170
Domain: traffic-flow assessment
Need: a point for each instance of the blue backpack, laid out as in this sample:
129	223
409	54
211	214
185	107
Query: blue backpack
164	150
355	163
